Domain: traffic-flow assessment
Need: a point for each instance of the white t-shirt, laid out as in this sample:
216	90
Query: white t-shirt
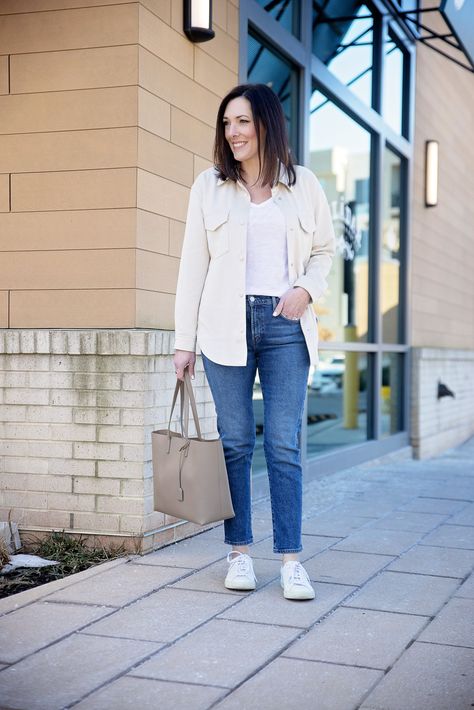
267	254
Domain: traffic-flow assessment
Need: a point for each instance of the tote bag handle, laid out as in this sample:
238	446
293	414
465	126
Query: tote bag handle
187	397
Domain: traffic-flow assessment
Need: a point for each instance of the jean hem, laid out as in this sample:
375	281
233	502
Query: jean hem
288	551
245	542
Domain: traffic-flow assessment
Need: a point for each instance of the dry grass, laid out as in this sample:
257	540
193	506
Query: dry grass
72	553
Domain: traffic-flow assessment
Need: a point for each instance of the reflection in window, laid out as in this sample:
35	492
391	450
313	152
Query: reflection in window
259	463
286	12
337	401
390	274
391	394
266	66
340	158
343	40
392	84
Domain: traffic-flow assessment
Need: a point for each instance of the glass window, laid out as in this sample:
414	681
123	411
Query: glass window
340	158
343	40
286	12
391	394
337	401
259	463
390	269
346	391
392	92
266	66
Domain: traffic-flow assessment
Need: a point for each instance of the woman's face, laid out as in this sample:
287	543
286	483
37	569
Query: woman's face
240	129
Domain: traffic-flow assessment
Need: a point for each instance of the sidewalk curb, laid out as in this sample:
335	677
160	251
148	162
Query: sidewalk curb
20	599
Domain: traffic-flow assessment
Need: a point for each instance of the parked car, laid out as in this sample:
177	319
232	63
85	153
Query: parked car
328	375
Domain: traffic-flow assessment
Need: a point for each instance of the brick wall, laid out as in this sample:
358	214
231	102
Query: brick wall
438	424
442	284
107	114
77	409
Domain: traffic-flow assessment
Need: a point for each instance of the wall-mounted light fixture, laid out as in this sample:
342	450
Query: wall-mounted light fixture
197	20
431	173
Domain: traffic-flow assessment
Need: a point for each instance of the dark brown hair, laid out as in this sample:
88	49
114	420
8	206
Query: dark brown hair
267	114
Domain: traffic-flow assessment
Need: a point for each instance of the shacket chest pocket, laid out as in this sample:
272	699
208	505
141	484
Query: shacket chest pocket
216	223
307	227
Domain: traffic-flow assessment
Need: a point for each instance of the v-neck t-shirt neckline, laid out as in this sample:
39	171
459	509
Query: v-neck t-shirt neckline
260	204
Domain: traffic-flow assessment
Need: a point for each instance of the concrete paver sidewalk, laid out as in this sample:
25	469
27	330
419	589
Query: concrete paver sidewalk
390	548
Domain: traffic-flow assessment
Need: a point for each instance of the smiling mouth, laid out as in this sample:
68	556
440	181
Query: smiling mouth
239	145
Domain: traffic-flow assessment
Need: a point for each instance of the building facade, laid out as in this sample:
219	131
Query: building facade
107	114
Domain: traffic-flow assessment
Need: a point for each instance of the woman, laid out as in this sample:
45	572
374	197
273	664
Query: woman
257	248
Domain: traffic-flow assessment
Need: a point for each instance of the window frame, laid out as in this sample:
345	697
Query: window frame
314	74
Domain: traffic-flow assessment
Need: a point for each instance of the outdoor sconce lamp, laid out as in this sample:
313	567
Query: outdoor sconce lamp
197	20
431	173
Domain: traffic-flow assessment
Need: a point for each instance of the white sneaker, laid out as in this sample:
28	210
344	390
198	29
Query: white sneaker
295	581
240	574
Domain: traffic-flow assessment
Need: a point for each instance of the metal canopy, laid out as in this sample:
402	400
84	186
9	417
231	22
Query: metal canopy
458	16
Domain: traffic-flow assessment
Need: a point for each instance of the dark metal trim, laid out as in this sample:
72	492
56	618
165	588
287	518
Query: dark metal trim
424	40
272	31
379	29
347	101
350	456
347	457
433	34
313	72
355	347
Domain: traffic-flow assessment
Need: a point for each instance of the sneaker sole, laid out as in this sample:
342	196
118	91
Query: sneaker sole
239	587
298	596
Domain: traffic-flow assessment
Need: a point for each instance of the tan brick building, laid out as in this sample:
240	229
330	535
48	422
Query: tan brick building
107	115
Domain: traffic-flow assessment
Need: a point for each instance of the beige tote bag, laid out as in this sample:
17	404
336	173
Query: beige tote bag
190	475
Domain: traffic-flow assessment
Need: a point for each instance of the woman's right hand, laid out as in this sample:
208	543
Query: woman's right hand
183	359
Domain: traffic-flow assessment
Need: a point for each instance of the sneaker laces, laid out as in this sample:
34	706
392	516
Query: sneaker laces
241	561
298	574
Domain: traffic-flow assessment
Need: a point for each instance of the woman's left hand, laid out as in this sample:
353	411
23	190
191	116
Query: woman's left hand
293	303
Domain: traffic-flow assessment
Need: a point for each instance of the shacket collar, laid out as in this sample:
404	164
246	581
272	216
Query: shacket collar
282	178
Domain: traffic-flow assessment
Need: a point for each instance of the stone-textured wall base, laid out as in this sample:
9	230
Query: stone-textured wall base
438	424
133	544
77	409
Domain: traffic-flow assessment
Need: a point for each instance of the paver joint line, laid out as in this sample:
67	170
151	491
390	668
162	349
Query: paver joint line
332	663
391	491
179	682
437	643
422	574
114	610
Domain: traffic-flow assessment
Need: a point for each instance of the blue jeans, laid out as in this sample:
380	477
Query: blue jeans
277	348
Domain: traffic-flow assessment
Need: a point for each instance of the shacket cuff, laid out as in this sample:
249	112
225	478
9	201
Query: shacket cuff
185	342
315	290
